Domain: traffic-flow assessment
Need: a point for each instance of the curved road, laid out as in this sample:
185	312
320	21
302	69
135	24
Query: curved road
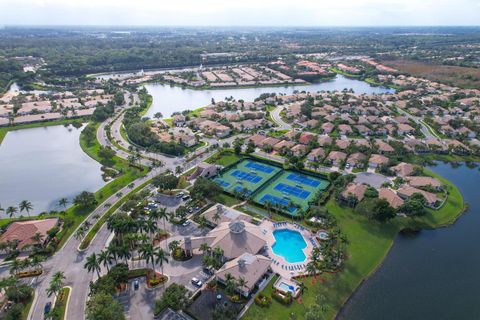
70	260
277	118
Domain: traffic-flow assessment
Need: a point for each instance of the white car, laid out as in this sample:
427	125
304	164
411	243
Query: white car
197	282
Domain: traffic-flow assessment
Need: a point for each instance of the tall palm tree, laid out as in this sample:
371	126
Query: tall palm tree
92	264
150	227
216	217
124	252
112	250
11	211
15	266
147	253
36	262
162	214
25	205
105	258
160	257
311	269
204	247
1	209
63	202
56	284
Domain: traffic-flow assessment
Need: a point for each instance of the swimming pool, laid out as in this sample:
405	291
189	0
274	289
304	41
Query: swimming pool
286	288
289	244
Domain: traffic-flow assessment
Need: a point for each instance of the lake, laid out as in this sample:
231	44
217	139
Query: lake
169	99
43	165
432	274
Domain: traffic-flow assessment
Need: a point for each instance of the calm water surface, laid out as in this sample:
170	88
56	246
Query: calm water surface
43	165
434	274
168	99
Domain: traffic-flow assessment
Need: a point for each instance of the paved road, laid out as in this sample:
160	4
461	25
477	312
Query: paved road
69	260
277	118
417	120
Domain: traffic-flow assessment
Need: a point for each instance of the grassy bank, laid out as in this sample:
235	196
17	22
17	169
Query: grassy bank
5	130
128	174
368	244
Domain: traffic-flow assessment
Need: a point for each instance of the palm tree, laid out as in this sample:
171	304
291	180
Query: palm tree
25	205
80	233
36	262
241	282
1	209
15	266
37	237
112	251
162	214
160	257
11	211
105	258
146	251
311	269
124	252
204	247
56	284
150	226
63	202
92	264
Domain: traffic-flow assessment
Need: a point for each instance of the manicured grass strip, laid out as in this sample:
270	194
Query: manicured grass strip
61	303
93	231
28	306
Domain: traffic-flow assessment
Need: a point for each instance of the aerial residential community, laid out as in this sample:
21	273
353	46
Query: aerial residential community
198	173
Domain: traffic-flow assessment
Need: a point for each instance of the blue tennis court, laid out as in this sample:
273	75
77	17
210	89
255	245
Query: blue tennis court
294	191
222	183
304	180
242	175
276	200
259	167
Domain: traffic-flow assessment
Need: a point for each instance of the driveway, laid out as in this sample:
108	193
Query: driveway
374	179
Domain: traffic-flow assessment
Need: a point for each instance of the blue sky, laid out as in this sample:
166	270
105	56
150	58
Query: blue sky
241	12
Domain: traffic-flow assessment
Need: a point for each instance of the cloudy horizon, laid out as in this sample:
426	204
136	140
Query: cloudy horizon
308	13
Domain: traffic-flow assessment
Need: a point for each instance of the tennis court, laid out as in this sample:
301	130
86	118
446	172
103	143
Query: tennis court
294	191
259	167
246	177
275	200
291	187
288	191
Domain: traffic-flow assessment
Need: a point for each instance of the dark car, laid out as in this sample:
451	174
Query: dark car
48	307
136	285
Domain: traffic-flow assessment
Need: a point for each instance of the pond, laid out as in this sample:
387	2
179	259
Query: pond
169	99
43	165
430	274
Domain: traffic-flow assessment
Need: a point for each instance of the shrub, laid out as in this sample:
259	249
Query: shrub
283	299
263	301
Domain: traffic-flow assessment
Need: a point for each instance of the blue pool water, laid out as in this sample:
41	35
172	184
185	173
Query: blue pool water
289	244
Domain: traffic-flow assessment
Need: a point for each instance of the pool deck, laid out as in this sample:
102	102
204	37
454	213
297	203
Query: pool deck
279	264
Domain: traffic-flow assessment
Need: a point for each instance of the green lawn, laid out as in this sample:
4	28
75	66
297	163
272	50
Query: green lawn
225	158
28	305
61	304
226	200
369	242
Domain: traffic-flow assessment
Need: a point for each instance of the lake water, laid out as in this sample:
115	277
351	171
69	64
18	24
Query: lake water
433	274
43	165
169	99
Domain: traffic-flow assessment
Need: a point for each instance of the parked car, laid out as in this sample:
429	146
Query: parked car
197	282
47	308
180	194
186	197
136	285
186	223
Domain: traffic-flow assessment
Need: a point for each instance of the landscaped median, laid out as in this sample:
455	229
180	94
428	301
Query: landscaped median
93	231
368	244
61	303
